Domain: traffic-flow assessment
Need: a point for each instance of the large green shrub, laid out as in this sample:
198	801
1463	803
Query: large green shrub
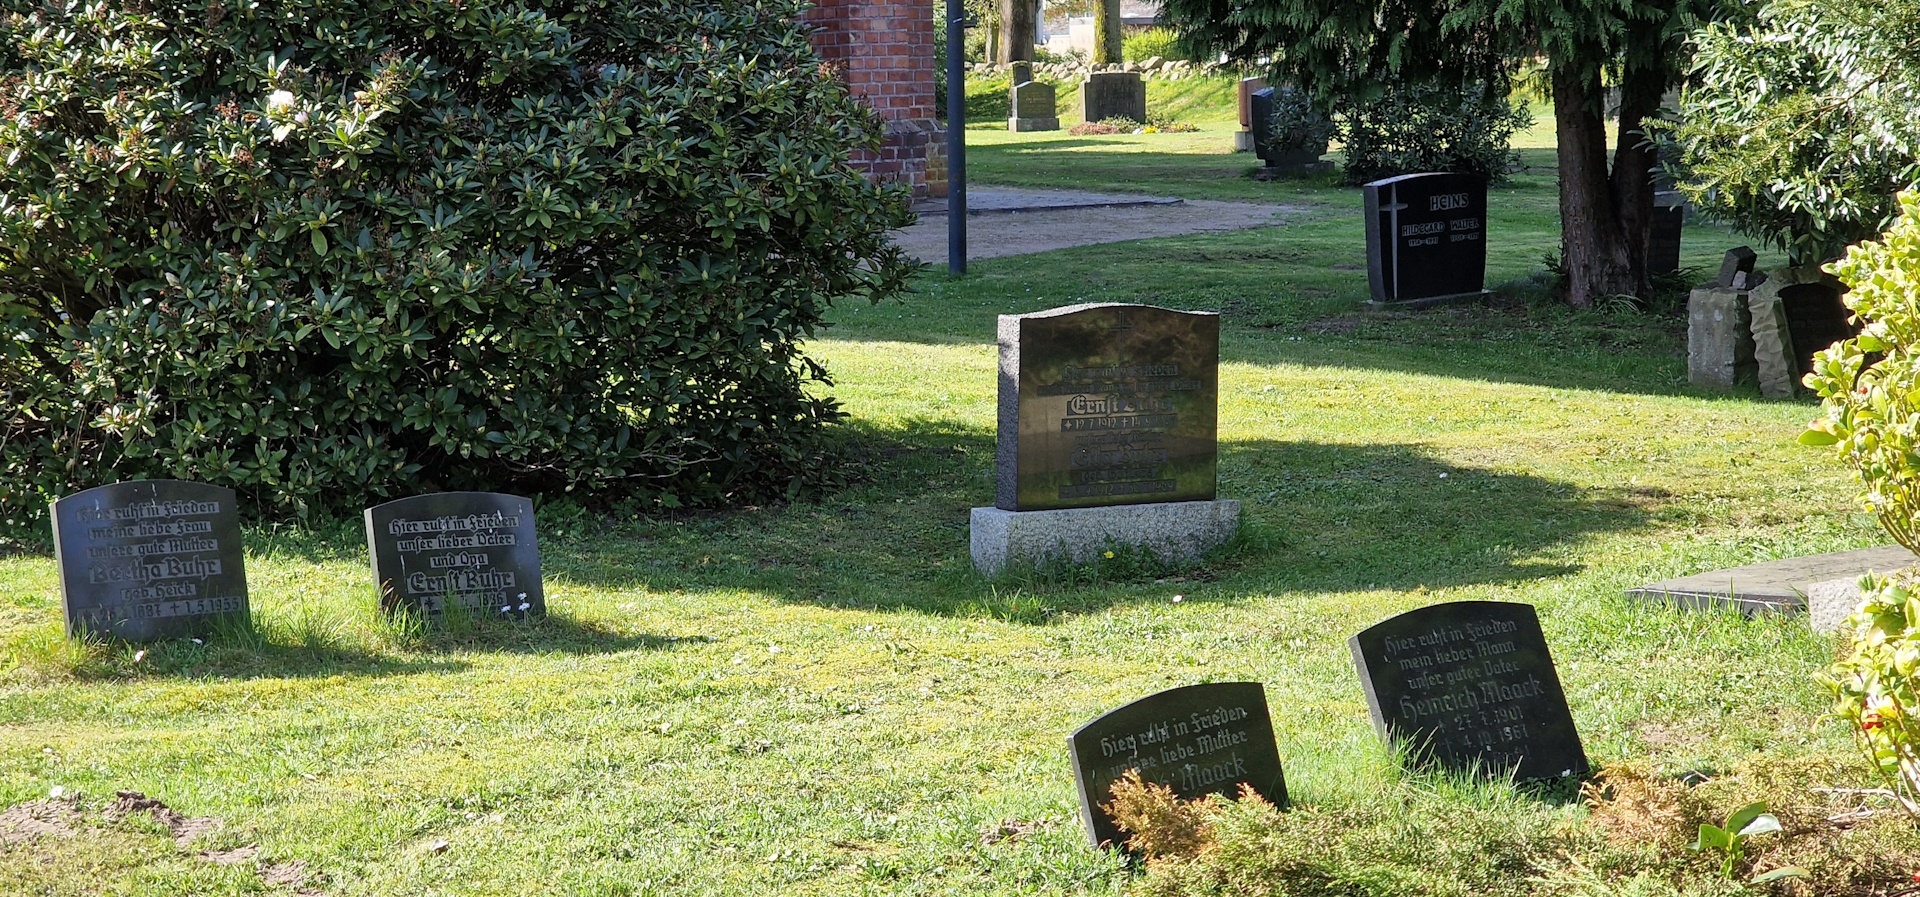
1161	42
323	251
1410	127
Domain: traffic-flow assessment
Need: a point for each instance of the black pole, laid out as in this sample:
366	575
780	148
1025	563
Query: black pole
956	137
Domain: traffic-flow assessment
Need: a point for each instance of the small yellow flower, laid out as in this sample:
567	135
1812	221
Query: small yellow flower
1109	555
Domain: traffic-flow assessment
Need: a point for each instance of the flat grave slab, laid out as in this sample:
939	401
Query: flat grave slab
1773	586
1196	740
150	559
472	549
1470	686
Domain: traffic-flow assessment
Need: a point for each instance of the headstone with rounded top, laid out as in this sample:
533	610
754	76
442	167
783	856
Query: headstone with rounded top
471	550
150	559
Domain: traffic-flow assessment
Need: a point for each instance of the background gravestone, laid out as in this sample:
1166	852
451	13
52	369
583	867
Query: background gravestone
1720	348
1107	404
1663	244
1114	95
1033	108
1302	160
1426	236
1796	313
150	559
1470	683
1197	740
1243	139
475	549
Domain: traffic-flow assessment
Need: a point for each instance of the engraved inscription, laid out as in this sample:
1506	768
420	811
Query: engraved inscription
149	559
473	550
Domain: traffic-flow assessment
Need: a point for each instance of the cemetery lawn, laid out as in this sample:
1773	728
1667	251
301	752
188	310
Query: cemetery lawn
822	699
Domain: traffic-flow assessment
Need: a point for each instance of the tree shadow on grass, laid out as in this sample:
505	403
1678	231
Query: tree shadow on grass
1319	518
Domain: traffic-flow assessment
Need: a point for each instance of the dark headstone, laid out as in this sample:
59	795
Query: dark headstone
1663	245
150	559
1298	160
1244	93
1467	685
1736	269
1033	108
1114	95
1796	313
1426	236
1020	72
475	549
1107	404
1196	740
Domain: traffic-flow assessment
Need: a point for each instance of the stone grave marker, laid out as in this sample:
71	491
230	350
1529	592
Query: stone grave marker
1300	160
1470	684
150	559
1796	313
1108	432
1720	326
1107	95
1736	269
475	549
1663	247
1020	71
1243	139
1426	236
1196	740
1033	108
1107	404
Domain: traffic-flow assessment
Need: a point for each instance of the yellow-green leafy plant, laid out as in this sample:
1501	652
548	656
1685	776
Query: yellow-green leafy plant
1871	388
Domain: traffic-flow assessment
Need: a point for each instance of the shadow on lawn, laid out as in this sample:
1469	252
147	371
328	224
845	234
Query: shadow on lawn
1320	518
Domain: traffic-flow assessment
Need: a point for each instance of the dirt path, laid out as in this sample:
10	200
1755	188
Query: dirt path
1017	222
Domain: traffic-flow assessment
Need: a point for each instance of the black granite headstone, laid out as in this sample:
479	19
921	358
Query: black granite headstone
1470	685
1107	404
1663	243
1196	740
1817	317
1426	236
150	559
473	549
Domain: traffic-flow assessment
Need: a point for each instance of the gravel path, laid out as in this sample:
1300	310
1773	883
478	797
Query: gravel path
1007	221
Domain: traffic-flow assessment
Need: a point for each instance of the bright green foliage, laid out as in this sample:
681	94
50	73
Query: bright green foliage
1297	124
1161	42
1873	686
1431	127
321	251
1730	840
1803	125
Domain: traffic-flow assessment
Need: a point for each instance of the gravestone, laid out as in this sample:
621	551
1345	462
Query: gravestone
1796	313
1469	684
1196	740
1299	160
1020	72
150	559
1107	432
1663	245
472	549
1426	237
1033	108
1720	347
1243	138
1114	95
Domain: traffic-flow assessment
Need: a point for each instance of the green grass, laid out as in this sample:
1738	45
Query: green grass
822	698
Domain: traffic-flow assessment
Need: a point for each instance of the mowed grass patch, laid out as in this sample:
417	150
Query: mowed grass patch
822	698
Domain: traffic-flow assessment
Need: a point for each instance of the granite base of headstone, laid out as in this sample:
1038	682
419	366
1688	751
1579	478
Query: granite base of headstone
1108	436
147	560
474	551
1796	313
1719	339
1243	141
1196	740
1426	238
1107	95
1033	108
1469	686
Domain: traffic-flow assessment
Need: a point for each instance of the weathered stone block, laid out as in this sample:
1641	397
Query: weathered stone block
1107	95
1176	530
1719	338
1829	603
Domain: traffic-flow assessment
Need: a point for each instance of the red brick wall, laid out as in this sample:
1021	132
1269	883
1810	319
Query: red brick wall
884	49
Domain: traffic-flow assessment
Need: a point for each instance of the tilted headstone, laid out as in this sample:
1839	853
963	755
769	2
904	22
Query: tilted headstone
150	559
1736	269
1796	313
475	550
1196	740
1470	685
1426	236
1033	108
1719	338
1107	404
1114	95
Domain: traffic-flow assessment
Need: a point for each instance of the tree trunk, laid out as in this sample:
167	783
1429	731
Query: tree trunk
1021	29
1106	31
1594	244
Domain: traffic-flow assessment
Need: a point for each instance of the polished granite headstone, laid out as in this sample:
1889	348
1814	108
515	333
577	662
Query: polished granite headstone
1107	404
1196	740
150	559
473	549
1470	685
1426	236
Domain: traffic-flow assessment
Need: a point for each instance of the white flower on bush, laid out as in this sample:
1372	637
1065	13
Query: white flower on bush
279	100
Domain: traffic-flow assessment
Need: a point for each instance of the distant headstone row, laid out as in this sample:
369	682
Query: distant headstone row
156	559
1466	686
